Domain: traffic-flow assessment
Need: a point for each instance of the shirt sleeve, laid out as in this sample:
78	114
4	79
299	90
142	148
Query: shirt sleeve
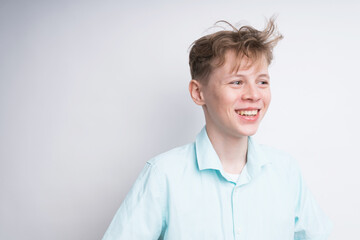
310	221
142	213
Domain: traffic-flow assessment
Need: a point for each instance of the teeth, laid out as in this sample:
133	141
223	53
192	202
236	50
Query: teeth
247	113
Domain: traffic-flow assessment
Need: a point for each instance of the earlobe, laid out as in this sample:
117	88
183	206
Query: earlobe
195	89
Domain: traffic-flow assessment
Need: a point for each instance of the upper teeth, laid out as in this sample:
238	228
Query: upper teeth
247	113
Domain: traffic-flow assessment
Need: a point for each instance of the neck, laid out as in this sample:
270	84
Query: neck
230	149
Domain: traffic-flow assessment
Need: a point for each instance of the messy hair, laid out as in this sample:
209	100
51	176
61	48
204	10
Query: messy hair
208	52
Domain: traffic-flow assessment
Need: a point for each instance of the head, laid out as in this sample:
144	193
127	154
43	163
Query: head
230	77
208	52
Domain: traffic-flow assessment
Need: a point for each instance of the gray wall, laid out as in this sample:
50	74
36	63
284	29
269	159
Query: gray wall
90	90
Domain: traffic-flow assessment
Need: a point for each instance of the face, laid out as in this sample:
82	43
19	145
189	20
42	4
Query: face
235	102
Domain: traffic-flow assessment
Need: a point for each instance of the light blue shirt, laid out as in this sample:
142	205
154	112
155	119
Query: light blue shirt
184	194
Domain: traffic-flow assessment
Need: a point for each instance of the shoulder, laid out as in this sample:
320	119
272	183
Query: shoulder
283	169
280	160
159	169
275	153
174	159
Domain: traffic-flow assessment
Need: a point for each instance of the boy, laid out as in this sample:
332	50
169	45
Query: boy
224	185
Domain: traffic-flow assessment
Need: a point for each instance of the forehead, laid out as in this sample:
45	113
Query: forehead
235	64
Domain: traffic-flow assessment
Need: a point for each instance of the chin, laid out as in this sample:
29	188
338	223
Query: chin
247	133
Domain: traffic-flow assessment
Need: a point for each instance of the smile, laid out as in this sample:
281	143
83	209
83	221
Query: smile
247	112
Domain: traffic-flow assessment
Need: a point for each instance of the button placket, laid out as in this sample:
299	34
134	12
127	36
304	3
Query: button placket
236	211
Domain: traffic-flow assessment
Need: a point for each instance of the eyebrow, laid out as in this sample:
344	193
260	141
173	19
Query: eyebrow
261	75
264	75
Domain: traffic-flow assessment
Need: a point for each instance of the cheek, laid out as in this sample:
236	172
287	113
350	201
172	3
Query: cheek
214	101
267	98
221	99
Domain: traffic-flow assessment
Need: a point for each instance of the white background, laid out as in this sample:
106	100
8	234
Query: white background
90	90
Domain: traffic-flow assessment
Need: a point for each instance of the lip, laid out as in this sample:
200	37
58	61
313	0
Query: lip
248	118
249	109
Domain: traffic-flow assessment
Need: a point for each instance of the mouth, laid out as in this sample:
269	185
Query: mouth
248	113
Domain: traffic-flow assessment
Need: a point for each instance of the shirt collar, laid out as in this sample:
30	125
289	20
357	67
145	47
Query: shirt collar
256	158
207	158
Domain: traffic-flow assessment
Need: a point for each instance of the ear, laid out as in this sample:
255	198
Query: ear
195	89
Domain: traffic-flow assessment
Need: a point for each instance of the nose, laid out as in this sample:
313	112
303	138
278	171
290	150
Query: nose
251	93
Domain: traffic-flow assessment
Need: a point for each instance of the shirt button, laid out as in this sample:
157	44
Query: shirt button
238	231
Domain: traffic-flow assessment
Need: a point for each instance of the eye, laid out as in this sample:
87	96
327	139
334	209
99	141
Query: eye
236	82
264	82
